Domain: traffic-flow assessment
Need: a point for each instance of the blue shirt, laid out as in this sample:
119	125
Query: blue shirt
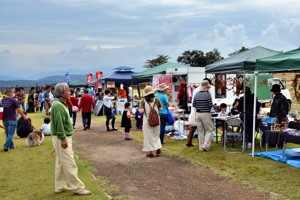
90	91
164	101
41	97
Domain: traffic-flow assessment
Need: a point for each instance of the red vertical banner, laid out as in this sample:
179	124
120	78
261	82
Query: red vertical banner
89	78
98	76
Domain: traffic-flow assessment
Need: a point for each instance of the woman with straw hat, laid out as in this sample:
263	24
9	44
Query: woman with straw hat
163	113
151	133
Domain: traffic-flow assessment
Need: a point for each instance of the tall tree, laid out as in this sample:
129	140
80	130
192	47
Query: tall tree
239	51
199	58
161	59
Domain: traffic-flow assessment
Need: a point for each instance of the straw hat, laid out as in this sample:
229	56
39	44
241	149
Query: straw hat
204	85
148	90
162	87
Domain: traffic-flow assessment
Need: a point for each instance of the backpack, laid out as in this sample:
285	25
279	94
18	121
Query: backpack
153	117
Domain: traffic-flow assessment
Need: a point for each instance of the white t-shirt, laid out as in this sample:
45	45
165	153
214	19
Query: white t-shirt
45	128
51	97
107	101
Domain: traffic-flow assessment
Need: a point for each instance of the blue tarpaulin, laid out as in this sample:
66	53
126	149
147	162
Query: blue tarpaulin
292	156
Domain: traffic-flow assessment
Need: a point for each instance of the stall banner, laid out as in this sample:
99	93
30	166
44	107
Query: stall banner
110	84
98	76
163	78
89	78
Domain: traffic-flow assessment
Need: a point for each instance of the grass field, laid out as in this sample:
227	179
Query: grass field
28	173
266	175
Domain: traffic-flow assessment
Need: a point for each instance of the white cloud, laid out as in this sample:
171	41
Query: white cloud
283	35
55	34
98	47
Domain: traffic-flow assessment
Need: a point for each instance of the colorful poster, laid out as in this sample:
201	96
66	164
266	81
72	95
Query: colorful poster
98	76
163	78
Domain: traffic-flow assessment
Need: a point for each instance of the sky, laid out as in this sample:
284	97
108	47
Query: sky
46	37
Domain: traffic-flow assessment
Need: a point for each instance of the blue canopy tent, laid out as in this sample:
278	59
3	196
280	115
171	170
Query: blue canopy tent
121	74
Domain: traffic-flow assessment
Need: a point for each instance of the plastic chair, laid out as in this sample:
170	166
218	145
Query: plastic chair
236	132
265	124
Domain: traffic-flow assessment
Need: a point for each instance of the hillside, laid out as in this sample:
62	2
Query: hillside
50	80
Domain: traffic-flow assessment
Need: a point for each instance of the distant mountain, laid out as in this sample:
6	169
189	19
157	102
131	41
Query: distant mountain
50	80
8	78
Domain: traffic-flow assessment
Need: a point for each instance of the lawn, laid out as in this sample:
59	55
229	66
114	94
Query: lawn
266	175
28	173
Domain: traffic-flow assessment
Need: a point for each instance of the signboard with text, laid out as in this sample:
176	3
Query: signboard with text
163	78
110	84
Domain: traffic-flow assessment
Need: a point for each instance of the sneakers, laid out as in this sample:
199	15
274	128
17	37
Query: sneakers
114	129
65	189
149	155
128	138
5	150
83	192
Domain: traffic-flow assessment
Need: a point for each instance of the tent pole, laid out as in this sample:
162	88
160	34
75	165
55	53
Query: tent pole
244	112
254	112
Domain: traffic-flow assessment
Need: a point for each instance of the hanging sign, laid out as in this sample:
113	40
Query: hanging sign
163	78
110	84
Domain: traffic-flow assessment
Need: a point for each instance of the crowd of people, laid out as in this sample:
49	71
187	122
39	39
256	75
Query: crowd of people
151	115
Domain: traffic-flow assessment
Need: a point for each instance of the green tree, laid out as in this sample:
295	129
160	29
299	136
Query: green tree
161	59
199	58
239	51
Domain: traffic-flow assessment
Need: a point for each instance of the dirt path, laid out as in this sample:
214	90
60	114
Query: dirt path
123	163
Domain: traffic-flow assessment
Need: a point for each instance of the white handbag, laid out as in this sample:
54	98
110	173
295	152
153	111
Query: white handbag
192	118
74	108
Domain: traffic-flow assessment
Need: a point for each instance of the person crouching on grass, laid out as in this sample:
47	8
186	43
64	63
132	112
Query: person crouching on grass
126	122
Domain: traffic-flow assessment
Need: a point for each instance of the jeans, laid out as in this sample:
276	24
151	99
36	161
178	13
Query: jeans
10	128
163	122
42	106
86	119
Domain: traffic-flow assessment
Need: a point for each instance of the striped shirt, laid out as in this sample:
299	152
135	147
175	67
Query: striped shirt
202	102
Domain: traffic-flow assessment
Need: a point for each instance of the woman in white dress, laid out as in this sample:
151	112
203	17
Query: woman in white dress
151	133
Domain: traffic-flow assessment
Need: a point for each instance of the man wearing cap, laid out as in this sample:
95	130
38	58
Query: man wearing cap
191	119
161	95
280	107
202	103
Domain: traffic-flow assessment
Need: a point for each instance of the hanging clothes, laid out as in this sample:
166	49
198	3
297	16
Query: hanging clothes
182	96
